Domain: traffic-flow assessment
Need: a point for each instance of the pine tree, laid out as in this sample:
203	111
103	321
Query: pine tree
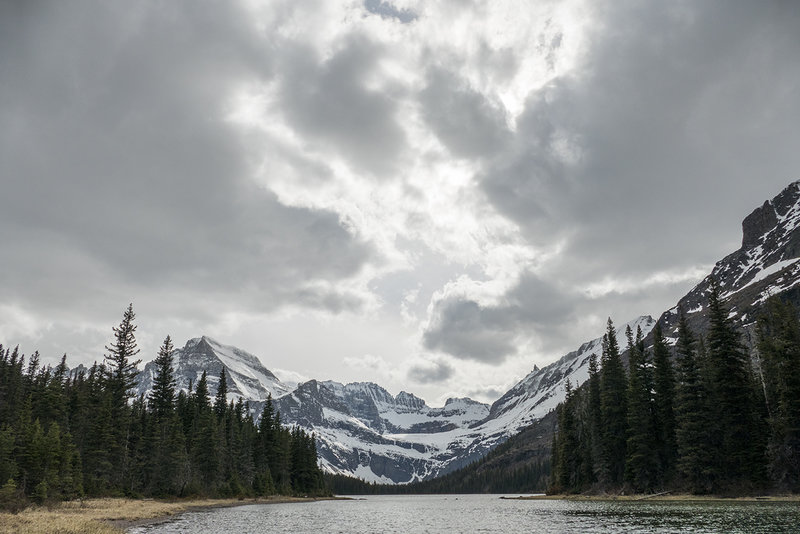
121	377
614	410
735	421
594	419
205	440
221	400
640	463
121	368
162	397
567	467
692	415
664	400
779	346
201	400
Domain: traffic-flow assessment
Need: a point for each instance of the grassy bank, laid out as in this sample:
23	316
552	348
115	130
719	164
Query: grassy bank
111	516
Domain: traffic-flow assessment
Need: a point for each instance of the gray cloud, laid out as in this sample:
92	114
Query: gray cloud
431	372
536	311
679	121
389	10
463	119
489	392
468	330
122	177
676	107
328	101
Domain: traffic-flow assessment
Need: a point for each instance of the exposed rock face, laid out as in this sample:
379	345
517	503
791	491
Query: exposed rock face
247	376
766	264
364	431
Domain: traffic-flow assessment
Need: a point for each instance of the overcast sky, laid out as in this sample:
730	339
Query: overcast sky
431	195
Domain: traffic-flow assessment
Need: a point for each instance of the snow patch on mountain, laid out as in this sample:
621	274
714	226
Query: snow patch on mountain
543	389
246	376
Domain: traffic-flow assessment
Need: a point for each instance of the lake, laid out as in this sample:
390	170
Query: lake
414	514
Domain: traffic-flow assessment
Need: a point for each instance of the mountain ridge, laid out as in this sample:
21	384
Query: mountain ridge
364	431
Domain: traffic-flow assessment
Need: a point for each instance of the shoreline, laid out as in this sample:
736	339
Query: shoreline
116	515
202	505
676	497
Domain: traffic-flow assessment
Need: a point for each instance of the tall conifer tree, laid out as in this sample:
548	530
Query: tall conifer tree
779	345
640	468
664	400
614	408
221	399
736	421
692	414
162	397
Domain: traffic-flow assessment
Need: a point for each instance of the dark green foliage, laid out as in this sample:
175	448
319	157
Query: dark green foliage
692	412
641	463
735	426
594	420
162	397
566	472
779	345
221	400
120	378
63	436
708	427
613	411
121	369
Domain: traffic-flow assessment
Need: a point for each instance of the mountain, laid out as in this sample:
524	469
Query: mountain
543	389
765	264
362	430
247	376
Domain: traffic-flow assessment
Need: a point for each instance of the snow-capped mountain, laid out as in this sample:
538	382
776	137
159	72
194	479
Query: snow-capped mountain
247	376
364	431
766	264
543	389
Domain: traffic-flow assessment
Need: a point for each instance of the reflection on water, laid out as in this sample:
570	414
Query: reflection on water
488	513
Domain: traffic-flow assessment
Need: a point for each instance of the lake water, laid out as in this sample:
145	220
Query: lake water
488	513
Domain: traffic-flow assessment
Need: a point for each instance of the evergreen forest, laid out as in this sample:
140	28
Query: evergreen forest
710	420
65	435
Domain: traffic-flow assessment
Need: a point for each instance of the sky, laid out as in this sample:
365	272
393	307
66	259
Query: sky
431	195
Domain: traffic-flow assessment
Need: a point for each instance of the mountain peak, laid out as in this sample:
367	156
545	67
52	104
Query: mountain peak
766	264
247	376
771	215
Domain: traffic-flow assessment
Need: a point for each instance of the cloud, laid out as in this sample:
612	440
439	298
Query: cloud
367	361
463	119
328	101
507	177
487	392
489	332
430	372
639	161
388	10
120	166
666	114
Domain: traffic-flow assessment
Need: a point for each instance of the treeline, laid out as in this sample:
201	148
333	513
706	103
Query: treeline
66	435
711	422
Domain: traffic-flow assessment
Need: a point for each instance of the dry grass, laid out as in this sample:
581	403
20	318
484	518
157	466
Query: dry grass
98	516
